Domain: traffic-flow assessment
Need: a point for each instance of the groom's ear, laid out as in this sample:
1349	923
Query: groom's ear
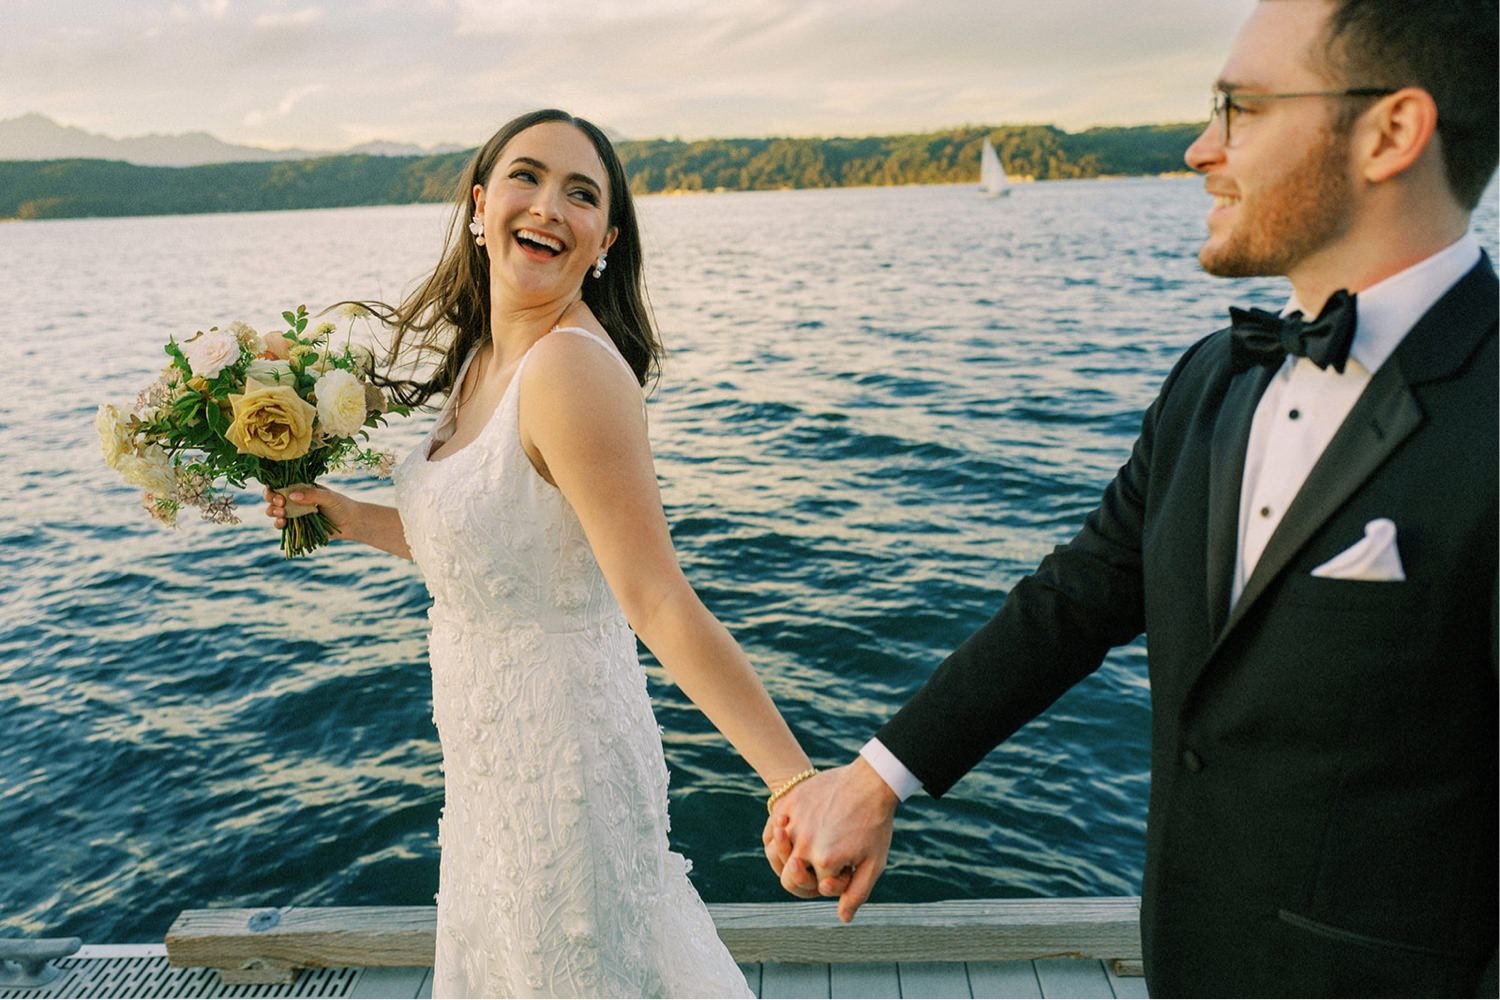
1396	133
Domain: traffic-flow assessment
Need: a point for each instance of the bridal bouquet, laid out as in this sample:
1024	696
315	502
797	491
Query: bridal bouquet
232	406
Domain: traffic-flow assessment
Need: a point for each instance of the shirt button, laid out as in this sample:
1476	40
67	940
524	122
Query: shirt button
1294	415
1192	761
1265	512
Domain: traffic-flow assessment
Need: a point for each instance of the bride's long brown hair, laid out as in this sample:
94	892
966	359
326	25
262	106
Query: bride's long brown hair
448	315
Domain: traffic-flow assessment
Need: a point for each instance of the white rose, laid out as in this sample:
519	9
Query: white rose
150	469
114	439
208	353
341	403
271	371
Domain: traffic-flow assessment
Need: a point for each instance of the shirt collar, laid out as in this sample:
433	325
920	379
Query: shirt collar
1387	310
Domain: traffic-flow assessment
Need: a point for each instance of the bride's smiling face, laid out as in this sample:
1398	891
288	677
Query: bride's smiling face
545	209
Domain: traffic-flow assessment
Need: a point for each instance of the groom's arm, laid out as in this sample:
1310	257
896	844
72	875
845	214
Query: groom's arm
1052	630
1056	626
831	836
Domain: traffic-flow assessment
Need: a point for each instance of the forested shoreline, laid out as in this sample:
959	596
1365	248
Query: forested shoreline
53	189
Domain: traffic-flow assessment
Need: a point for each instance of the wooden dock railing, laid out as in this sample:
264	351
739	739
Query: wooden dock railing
272	945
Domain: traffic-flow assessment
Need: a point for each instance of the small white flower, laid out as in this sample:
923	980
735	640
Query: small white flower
341	403
364	358
248	339
114	439
210	352
164	509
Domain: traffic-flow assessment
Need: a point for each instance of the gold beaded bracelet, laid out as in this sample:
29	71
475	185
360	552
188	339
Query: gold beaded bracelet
787	786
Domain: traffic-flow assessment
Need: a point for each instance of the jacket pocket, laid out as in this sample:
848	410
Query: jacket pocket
1355	938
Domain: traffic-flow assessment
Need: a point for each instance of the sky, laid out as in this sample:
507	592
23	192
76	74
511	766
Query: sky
325	74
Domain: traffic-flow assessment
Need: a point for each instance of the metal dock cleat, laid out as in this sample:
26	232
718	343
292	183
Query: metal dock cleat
26	963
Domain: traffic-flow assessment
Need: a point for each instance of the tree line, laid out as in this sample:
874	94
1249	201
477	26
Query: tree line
52	189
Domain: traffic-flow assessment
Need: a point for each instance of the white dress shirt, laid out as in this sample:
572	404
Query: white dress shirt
1295	419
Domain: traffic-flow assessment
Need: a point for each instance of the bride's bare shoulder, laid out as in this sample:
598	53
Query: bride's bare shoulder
573	361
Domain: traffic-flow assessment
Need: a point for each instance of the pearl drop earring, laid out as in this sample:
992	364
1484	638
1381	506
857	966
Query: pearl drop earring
476	226
599	265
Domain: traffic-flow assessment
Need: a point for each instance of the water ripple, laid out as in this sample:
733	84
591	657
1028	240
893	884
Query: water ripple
863	441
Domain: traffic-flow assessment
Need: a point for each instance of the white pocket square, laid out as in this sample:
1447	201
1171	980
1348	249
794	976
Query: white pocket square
1373	558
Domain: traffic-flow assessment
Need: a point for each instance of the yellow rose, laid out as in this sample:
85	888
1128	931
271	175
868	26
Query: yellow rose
271	421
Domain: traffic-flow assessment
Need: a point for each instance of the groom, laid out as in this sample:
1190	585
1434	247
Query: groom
1308	542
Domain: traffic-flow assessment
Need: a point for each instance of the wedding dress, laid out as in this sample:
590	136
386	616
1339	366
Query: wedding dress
556	878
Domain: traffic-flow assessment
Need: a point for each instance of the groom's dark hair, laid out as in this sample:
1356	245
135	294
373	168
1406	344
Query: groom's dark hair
1445	47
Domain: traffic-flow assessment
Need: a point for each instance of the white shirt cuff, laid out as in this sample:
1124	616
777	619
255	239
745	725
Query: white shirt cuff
891	770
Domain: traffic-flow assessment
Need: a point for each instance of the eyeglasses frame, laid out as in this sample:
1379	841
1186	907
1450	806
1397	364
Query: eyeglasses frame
1224	101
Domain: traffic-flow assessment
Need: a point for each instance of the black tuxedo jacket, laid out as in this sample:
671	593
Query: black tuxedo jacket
1323	802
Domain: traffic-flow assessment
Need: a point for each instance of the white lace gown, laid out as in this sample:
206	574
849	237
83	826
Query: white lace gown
556	878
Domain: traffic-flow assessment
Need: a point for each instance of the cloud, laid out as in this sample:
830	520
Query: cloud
503	17
296	72
256	119
213	10
293	19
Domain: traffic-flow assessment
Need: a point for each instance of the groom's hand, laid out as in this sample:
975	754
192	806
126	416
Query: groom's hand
831	835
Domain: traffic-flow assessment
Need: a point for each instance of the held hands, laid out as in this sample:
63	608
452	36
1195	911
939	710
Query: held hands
338	508
831	834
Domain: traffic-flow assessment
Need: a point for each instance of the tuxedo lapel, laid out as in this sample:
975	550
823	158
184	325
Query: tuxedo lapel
1384	416
1226	474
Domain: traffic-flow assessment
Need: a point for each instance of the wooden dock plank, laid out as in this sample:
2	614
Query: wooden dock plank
934	980
865	980
1131	987
996	980
791	980
1073	978
970	930
143	971
270	945
392	982
751	972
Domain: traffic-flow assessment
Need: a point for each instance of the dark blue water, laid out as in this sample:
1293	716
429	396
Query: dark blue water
881	408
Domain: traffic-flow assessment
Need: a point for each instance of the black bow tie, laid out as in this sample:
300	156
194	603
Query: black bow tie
1264	338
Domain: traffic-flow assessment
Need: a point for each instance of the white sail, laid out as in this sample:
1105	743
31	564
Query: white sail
992	180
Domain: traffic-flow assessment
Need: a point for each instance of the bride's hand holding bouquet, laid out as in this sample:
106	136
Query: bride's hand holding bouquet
232	406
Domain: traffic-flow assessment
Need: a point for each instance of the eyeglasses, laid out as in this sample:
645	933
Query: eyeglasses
1227	103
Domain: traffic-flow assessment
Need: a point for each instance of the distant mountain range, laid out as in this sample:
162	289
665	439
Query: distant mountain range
87	183
37	137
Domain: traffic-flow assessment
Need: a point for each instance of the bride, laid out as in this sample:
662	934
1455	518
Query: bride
533	513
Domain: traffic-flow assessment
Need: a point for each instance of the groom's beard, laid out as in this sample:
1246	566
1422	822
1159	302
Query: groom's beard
1293	217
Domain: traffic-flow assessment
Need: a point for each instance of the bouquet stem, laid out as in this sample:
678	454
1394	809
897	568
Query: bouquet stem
307	528
304	533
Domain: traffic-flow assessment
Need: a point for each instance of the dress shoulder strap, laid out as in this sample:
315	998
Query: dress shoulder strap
601	341
448	413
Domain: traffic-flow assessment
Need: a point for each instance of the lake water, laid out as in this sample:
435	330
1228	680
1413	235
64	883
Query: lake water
881	408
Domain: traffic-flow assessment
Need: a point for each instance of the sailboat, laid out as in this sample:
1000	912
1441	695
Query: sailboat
992	180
